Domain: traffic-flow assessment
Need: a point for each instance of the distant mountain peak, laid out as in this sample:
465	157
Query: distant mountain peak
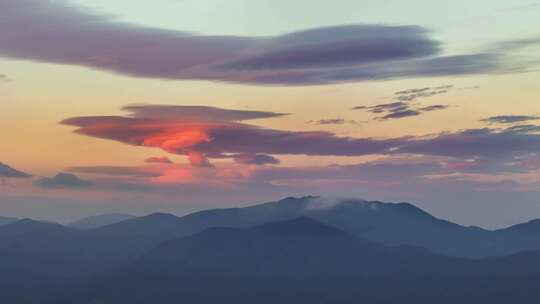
296	200
160	215
28	221
30	226
411	209
532	226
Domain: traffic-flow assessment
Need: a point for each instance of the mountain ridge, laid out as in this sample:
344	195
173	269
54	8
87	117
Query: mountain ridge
300	261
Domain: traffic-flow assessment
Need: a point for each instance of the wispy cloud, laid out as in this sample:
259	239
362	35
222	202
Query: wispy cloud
510	119
333	121
403	103
399	109
417	93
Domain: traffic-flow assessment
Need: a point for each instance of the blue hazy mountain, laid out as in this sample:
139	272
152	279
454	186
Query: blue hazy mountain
97	221
308	240
304	261
386	223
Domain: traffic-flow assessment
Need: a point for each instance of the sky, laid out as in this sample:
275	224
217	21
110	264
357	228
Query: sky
177	106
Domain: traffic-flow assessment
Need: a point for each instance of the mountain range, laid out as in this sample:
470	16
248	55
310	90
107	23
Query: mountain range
295	250
304	261
97	221
386	223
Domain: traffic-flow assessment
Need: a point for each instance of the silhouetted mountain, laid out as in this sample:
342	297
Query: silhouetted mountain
292	251
97	221
531	227
387	223
50	249
304	261
29	227
41	248
36	258
7	220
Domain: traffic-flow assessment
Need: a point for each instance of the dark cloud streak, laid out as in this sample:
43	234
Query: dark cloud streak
73	35
206	139
510	119
9	172
63	180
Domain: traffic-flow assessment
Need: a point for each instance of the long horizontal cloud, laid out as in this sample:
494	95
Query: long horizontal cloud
9	172
55	32
486	142
391	171
211	137
509	119
158	160
332	121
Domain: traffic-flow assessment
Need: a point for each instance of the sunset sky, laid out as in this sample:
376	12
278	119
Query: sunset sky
176	106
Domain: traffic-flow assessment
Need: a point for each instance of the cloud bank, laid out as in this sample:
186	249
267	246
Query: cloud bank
205	134
57	32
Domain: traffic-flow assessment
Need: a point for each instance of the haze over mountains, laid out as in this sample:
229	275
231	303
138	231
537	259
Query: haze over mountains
305	261
325	248
100	220
387	223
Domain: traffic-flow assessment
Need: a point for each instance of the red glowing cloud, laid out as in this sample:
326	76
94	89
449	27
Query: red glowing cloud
201	133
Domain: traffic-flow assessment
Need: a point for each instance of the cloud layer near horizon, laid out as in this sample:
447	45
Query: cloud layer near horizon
206	132
211	133
62	180
56	32
9	172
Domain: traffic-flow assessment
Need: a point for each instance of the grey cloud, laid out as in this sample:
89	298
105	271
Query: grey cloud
207	139
433	108
517	44
196	113
62	180
332	121
77	36
158	160
341	46
414	94
509	119
255	159
399	109
400	114
486	142
9	172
